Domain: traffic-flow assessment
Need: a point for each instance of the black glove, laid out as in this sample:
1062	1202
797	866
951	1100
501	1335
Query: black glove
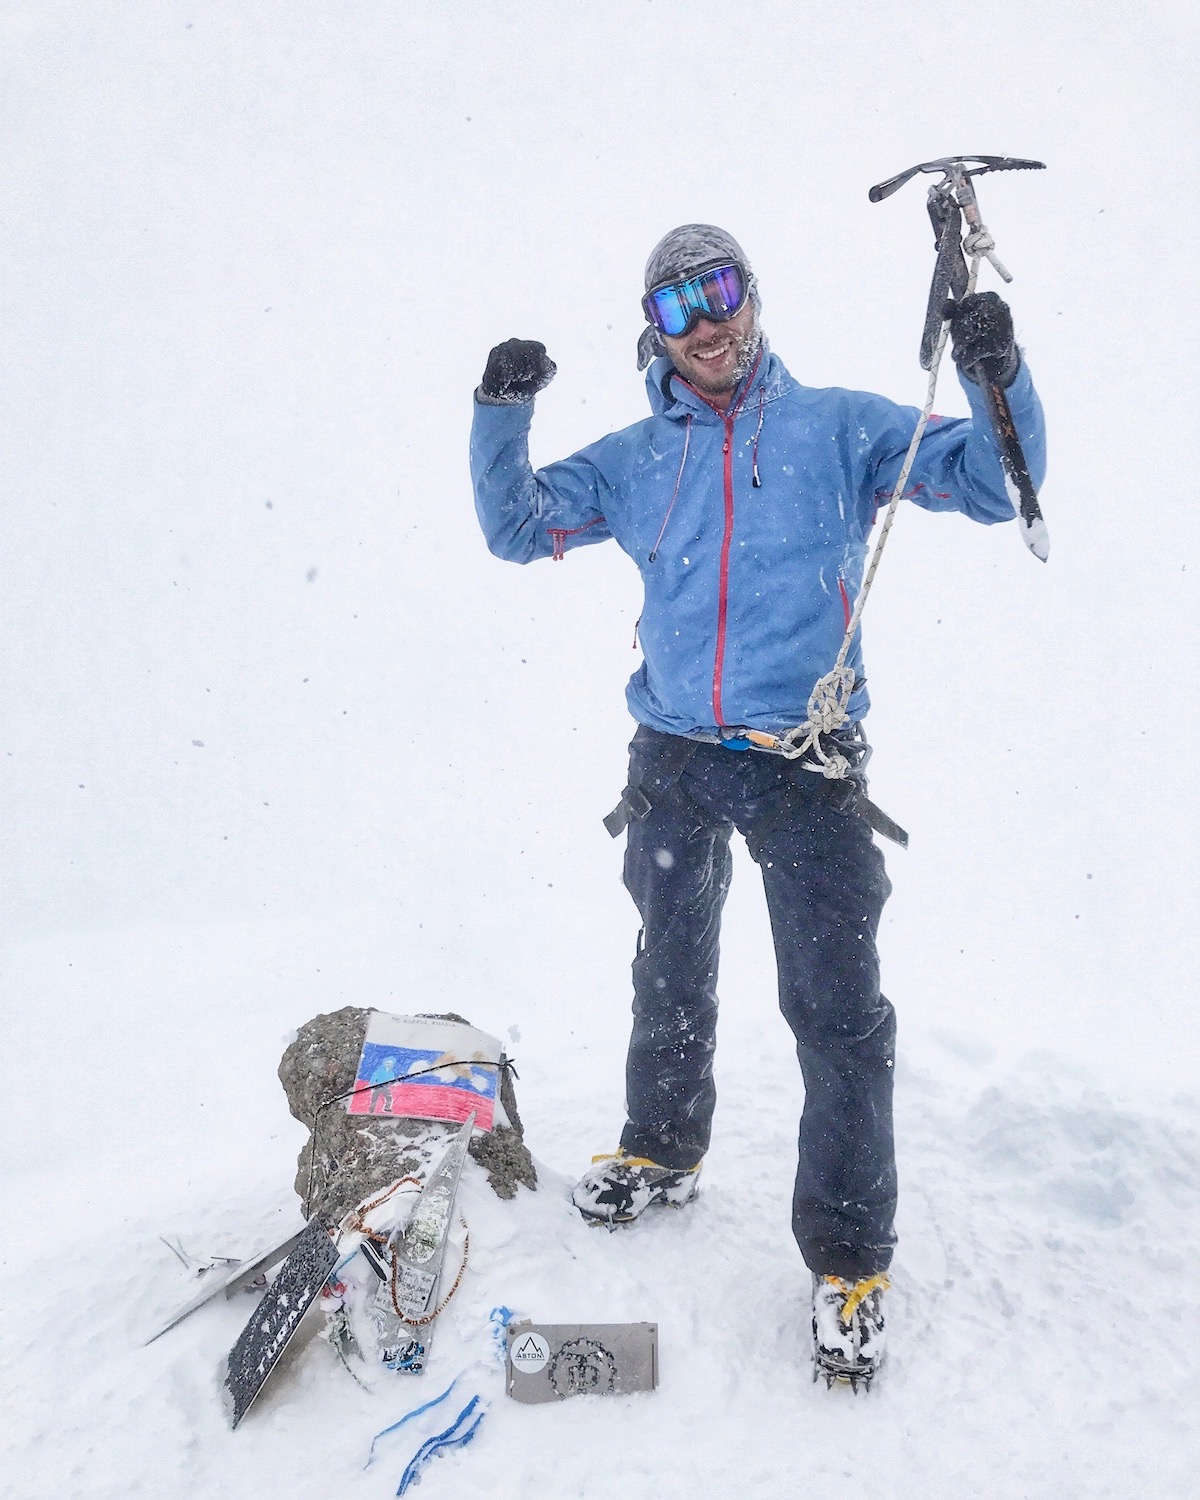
981	328
516	371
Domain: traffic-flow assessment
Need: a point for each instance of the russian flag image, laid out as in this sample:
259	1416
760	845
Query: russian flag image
457	1087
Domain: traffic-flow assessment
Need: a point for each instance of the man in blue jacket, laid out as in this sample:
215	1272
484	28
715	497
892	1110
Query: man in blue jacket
746	499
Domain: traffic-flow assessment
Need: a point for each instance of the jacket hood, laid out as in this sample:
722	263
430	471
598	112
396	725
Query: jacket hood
669	396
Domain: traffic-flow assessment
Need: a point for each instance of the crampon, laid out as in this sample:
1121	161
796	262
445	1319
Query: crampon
617	1188
848	1328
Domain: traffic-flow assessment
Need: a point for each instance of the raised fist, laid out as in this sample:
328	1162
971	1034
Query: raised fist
516	371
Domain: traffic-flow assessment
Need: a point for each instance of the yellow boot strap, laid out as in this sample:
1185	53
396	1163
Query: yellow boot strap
860	1291
639	1161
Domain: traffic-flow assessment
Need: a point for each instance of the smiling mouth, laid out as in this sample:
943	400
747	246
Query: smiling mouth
708	355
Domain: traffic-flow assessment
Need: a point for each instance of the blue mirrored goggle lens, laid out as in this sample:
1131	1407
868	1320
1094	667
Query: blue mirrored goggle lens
716	294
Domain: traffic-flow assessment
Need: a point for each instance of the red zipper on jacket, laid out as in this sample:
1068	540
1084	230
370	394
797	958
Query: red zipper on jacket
729	418
559	534
846	610
723	578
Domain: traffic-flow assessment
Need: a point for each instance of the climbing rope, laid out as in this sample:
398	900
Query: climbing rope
830	698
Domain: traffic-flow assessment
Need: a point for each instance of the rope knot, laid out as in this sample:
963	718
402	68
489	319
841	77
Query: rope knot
827	705
830	699
979	242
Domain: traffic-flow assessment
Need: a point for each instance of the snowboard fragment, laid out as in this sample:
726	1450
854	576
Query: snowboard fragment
278	1316
230	1279
420	1250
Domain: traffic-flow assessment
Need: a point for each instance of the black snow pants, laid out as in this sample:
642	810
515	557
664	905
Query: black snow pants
825	886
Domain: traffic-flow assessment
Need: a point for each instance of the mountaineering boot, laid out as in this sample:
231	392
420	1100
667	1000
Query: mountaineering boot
848	1328
616	1188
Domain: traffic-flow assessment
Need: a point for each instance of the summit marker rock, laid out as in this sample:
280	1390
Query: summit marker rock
357	1156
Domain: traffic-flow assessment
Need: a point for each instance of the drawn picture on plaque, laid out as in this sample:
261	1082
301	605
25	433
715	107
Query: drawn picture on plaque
423	1068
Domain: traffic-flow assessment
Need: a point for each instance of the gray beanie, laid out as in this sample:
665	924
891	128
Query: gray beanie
689	247
678	252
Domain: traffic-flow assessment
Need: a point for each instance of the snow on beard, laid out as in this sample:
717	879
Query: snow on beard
746	347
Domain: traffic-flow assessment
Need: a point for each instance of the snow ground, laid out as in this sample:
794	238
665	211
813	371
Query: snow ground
279	736
1043	1328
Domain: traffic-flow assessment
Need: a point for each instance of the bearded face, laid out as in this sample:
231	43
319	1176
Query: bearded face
714	356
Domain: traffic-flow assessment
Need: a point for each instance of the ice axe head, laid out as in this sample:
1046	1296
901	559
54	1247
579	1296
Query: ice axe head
955	169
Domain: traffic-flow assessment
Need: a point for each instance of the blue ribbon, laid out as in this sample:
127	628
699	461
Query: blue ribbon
462	1429
455	1436
407	1417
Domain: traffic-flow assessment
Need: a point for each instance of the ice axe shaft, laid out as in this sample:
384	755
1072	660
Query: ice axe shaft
1017	478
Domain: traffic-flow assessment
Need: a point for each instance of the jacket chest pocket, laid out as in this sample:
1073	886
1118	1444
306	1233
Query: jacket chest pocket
792	518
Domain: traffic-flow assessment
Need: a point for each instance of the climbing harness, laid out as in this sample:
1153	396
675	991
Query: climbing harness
668	765
673	753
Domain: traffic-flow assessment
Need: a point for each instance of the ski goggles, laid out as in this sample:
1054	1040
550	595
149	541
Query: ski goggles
716	292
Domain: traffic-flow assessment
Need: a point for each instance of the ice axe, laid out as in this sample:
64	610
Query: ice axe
950	201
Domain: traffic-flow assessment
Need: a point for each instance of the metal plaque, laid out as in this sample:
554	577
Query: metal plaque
550	1361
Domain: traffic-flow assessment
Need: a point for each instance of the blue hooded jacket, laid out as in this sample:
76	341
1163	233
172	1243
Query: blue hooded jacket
749	527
